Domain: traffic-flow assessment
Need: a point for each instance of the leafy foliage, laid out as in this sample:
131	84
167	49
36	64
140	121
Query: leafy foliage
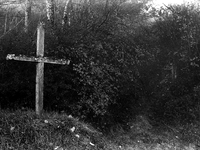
123	63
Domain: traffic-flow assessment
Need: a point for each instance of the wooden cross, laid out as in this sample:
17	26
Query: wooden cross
40	60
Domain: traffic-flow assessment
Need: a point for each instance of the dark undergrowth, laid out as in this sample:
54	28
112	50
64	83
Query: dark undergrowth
52	131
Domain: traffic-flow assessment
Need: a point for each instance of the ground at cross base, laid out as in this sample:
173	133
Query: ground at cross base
22	130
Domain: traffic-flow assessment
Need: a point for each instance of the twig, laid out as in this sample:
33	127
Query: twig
11	29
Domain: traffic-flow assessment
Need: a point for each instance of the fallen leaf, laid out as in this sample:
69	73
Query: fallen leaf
12	128
78	136
91	144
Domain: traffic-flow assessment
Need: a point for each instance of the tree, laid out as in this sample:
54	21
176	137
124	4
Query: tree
50	11
27	14
170	61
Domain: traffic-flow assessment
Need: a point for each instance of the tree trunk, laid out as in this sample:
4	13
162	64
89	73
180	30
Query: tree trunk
174	71
67	13
91	4
106	5
50	11
87	8
5	24
27	14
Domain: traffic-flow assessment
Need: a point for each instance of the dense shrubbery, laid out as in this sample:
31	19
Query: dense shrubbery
121	65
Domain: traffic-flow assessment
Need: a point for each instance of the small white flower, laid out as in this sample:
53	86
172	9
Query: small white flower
72	129
46	121
78	136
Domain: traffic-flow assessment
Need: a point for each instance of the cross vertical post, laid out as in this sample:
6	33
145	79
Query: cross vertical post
39	70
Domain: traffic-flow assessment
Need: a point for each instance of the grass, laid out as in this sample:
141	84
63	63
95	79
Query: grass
22	130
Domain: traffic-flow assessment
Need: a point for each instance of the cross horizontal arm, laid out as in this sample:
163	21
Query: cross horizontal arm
37	59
